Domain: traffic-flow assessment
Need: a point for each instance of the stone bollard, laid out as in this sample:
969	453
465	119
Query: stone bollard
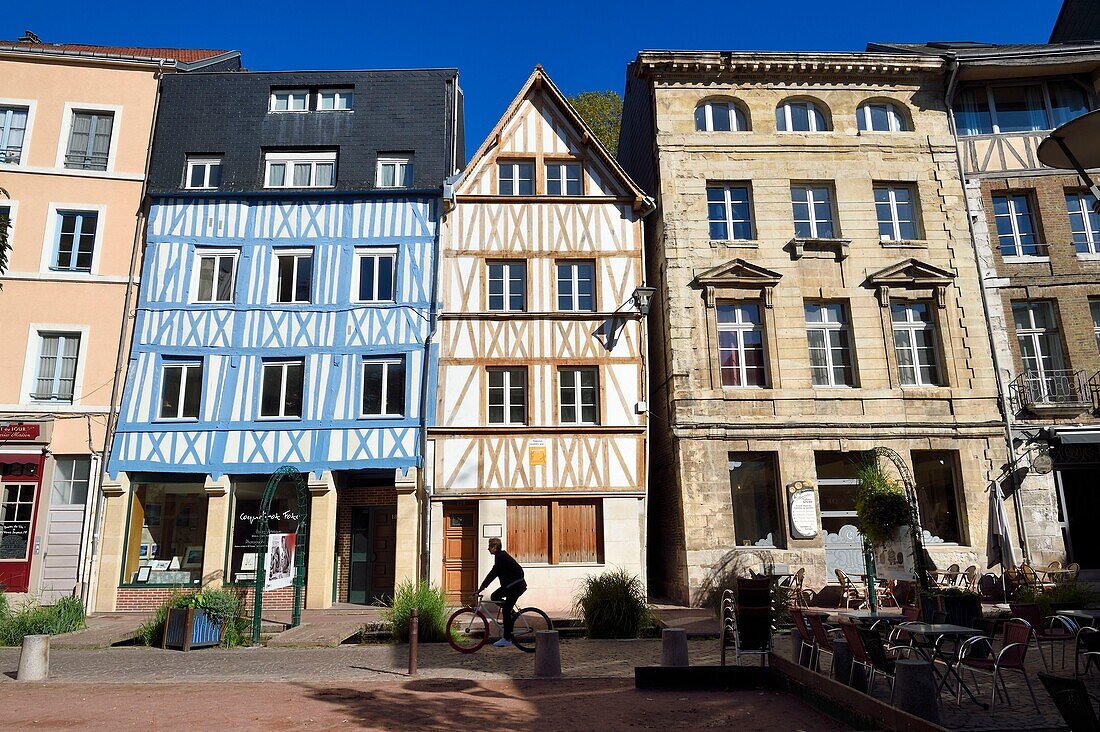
842	666
915	689
674	647
34	659
547	654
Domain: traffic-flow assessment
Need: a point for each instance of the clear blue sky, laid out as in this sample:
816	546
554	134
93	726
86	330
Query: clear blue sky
583	45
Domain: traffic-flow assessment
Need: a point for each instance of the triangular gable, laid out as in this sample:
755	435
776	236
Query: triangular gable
733	278
911	274
558	113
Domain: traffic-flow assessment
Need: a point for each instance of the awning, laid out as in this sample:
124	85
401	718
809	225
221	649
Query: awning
1076	435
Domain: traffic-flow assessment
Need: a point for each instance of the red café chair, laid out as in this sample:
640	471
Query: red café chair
1017	639
859	653
822	640
804	634
1044	630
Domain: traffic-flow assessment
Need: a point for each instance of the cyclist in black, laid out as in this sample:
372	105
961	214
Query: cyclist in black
512	585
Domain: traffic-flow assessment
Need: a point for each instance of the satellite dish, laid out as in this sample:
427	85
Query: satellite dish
1042	464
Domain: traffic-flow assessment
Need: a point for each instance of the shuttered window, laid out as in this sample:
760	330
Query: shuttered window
529	532
556	532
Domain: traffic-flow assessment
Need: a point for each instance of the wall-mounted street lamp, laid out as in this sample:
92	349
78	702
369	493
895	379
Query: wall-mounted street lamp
1076	146
642	298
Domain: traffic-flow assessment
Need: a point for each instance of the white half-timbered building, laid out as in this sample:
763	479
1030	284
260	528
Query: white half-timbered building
540	432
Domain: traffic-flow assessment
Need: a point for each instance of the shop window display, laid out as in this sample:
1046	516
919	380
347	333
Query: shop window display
281	518
166	534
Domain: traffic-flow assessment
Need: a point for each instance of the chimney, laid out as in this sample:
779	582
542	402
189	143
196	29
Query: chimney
29	37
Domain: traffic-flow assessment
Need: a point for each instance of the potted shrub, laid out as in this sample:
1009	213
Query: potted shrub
882	507
199	620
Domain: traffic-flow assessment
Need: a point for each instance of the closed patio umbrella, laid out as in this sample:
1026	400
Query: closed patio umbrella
998	545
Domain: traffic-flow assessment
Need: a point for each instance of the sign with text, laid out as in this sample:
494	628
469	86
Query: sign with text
19	431
802	509
894	559
536	451
280	561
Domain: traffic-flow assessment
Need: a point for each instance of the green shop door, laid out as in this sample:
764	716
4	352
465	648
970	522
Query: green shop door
373	554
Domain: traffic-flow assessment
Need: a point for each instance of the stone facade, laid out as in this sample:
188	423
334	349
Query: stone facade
795	427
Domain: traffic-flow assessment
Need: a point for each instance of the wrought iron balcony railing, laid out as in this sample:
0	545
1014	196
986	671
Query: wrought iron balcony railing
1056	391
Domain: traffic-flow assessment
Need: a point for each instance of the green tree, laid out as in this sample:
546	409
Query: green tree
603	111
4	245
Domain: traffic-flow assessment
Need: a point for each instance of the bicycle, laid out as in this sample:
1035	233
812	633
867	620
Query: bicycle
471	627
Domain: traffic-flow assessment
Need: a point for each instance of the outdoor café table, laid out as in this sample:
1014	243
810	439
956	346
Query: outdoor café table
867	617
938	631
1085	617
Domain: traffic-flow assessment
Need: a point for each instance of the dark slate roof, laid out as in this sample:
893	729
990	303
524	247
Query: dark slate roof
1078	20
226	114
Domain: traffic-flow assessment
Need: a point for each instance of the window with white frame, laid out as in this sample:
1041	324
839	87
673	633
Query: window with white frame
6	219
578	392
729	211
13	128
831	362
1028	107
300	169
813	211
281	388
1083	222
180	389
563	179
217	275
55	379
89	140
507	396
395	171
721	116
290	100
71	477
507	286
334	100
1094	306
896	212
915	343
1016	234
294	277
800	115
1040	346
203	172
741	344
75	245
880	117
516	178
576	285
384	387
375	269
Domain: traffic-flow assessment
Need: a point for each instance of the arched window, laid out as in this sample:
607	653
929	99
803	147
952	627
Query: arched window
881	117
801	115
721	115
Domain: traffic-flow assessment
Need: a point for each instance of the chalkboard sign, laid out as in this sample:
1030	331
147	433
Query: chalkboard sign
802	509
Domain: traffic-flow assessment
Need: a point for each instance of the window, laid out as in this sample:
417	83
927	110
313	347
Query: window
16	515
395	172
1084	222
167	521
334	99
934	475
203	173
75	241
813	212
755	499
6	219
508	396
89	141
1019	108
740	344
1094	306
300	170
13	128
721	117
384	387
579	396
830	347
375	268
281	390
729	211
800	116
895	211
915	343
71	476
180	389
1041	348
576	286
217	276
1015	226
290	100
294	277
507	286
563	179
556	532
880	117
57	361
516	179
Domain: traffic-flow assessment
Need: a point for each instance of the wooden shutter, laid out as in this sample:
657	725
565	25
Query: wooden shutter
529	532
578	532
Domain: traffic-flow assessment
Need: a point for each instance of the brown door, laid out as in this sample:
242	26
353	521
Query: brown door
460	551
384	544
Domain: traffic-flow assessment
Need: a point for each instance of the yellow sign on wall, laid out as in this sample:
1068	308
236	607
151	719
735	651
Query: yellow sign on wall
536	452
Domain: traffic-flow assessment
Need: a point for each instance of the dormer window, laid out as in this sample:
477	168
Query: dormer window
311	100
516	178
1003	108
203	172
395	171
315	169
329	100
290	100
563	179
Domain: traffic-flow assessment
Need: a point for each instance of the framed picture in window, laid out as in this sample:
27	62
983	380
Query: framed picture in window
192	558
159	564
143	573
152	514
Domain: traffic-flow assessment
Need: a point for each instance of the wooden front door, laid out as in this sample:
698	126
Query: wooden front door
460	551
373	554
17	510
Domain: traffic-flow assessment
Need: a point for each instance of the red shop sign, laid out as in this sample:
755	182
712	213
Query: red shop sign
20	467
19	430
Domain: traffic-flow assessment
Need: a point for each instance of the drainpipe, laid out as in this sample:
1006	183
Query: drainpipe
1006	409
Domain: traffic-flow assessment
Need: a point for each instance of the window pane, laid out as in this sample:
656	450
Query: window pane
755	500
303	283
721	116
206	279
325	175
293	404
366	278
198	176
276	175
372	388
215	175
800	117
504	179
226	266
701	118
385	278
170	391
286	278
269	393
301	174
972	116
1067	101
192	394
395	388
934	474
1020	108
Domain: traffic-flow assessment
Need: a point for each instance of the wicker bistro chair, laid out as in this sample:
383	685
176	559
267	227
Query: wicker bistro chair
851	592
1072	570
1031	577
950	576
797	589
969	578
1052	629
1071	698
1011	657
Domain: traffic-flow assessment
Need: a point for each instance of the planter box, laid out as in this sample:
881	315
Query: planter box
187	628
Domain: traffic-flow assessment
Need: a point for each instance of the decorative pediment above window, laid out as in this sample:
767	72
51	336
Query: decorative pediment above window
911	274
733	279
838	248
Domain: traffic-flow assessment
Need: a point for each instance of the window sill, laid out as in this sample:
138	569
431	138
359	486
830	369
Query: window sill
800	246
904	243
152	586
1024	259
176	420
377	417
1089	256
278	419
735	243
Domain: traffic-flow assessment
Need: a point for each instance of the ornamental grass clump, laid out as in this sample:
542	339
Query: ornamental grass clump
613	605
64	616
881	505
431	612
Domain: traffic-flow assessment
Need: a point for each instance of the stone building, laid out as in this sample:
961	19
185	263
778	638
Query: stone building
817	296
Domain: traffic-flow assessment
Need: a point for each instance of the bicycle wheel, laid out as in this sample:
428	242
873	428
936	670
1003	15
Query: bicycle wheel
529	620
467	630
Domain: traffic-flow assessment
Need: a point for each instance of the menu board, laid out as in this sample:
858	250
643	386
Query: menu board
802	509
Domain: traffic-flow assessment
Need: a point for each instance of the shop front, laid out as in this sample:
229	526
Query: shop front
20	496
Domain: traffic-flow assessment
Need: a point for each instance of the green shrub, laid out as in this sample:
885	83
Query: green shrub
64	616
1069	593
881	505
431	608
613	605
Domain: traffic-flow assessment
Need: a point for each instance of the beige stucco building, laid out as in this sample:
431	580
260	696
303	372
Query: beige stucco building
75	127
817	296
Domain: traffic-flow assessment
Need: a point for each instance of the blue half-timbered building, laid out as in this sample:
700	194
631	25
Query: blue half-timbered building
284	317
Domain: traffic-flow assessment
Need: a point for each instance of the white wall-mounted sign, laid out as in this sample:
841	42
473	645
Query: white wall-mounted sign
802	509
492	531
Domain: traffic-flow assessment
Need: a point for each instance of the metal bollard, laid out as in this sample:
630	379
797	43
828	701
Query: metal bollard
414	637
547	654
674	647
34	659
